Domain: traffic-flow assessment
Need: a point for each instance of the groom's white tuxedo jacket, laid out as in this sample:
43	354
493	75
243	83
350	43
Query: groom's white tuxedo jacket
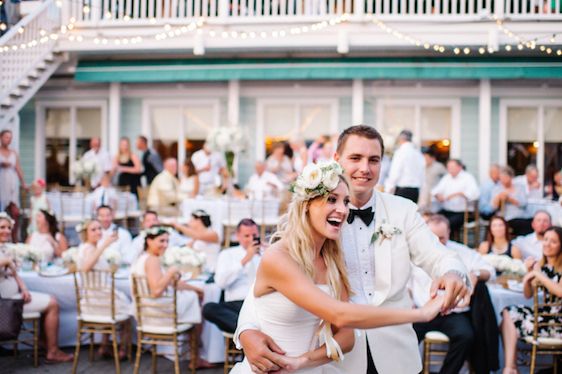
380	277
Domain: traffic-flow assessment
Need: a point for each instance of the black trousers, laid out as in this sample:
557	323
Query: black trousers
456	220
371	369
520	226
223	314
410	193
458	328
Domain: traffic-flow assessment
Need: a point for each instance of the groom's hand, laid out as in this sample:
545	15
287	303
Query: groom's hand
454	287
262	352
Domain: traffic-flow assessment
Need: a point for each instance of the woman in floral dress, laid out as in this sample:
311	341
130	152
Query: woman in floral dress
518	320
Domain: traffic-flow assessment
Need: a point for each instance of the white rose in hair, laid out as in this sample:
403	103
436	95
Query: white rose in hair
311	176
331	179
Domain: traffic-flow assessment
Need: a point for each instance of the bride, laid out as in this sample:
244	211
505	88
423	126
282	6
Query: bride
301	288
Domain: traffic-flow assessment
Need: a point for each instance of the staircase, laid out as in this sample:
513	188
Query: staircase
28	58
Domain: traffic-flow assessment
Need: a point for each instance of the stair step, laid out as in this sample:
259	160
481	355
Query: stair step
41	66
33	74
49	58
16	93
6	103
24	83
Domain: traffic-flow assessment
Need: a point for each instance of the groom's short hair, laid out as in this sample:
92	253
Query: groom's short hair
363	131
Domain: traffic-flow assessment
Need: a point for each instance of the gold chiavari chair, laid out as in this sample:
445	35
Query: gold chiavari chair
29	335
97	311
231	353
433	343
471	222
157	324
122	208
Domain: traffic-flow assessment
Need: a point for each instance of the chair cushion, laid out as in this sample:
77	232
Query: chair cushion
31	315
544	341
437	336
97	318
164	330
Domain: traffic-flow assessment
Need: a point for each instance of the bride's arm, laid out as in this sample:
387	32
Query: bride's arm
279	272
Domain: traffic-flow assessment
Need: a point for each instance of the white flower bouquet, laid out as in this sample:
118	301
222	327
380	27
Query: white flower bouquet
506	264
186	259
317	179
70	258
26	255
112	256
84	169
227	139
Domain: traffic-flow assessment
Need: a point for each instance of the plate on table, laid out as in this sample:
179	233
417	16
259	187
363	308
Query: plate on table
53	271
514	285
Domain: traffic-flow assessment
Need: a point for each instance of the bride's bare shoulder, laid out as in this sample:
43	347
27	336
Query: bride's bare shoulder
275	254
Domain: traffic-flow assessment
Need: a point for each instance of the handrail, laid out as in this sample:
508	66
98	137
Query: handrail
24	22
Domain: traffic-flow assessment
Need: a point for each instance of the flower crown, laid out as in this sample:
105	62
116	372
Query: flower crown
6	216
156	230
317	180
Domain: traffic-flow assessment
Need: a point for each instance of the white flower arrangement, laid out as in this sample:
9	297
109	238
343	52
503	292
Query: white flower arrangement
112	256
70	257
317	180
84	169
506	264
26	253
227	139
186	259
385	231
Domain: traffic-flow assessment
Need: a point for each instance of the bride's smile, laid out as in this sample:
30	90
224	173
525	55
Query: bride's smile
328	215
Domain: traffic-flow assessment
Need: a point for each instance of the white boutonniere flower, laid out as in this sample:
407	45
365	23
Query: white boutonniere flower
385	231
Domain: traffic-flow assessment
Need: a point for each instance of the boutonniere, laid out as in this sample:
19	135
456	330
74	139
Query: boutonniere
385	231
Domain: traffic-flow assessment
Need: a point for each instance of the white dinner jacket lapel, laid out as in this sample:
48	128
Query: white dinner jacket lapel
383	255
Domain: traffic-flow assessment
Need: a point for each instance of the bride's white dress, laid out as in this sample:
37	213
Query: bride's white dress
291	327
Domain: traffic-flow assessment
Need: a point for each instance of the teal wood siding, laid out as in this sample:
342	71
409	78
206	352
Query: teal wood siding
344	113
495	131
131	119
469	134
248	120
27	141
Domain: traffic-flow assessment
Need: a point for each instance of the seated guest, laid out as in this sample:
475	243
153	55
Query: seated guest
91	257
510	200
149	265
38	201
498	240
210	167
263	184
531	244
104	214
104	194
189	181
530	183
485	204
235	274
554	189
163	194
456	325
47	237
202	237
149	220
518	320
13	287
453	191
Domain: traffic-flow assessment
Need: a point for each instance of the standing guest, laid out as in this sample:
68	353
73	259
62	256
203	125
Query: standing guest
315	149
104	194
456	325
454	191
300	154
498	240
38	201
128	166
510	199
485	204
10	172
530	182
151	161
210	166
518	320
263	184
164	193
531	244
104	215
554	189
407	170
100	157
189	181
434	171
47	238
12	286
279	164
235	273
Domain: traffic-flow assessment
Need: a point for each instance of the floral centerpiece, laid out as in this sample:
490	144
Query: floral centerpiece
229	140
70	258
84	170
508	267
186	259
113	257
28	256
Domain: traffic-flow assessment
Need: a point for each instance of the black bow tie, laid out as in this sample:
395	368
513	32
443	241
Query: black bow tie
366	215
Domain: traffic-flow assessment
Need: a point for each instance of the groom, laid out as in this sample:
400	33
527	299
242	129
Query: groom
383	236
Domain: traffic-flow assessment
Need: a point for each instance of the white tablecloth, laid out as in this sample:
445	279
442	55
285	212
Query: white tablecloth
62	288
502	297
552	207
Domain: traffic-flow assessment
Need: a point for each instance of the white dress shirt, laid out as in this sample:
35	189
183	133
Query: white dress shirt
102	159
420	282
531	193
512	211
232	277
530	245
464	182
262	186
123	242
407	168
104	196
201	160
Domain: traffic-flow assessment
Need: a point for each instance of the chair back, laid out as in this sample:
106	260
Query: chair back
95	293
237	210
547	310
266	211
154	311
142	192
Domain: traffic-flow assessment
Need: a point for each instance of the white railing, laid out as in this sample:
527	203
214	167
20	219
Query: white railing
135	11
27	44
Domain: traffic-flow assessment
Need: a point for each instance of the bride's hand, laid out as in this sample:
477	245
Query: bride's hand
432	308
292	364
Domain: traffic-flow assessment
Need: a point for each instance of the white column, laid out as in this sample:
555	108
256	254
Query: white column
233	102
40	147
541	139
357	102
114	117
72	155
484	128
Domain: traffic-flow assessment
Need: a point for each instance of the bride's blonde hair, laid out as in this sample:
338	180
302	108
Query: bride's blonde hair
296	229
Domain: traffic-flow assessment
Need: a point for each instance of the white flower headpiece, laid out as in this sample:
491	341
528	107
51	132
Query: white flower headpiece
156	230
317	180
6	216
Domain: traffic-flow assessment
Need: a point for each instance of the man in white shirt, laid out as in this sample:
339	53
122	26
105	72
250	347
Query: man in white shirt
100	157
531	244
530	182
104	194
486	189
104	214
263	184
407	170
456	325
164	192
434	171
454	191
210	166
235	274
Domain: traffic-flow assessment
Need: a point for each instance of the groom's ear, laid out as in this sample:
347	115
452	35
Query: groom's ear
336	156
